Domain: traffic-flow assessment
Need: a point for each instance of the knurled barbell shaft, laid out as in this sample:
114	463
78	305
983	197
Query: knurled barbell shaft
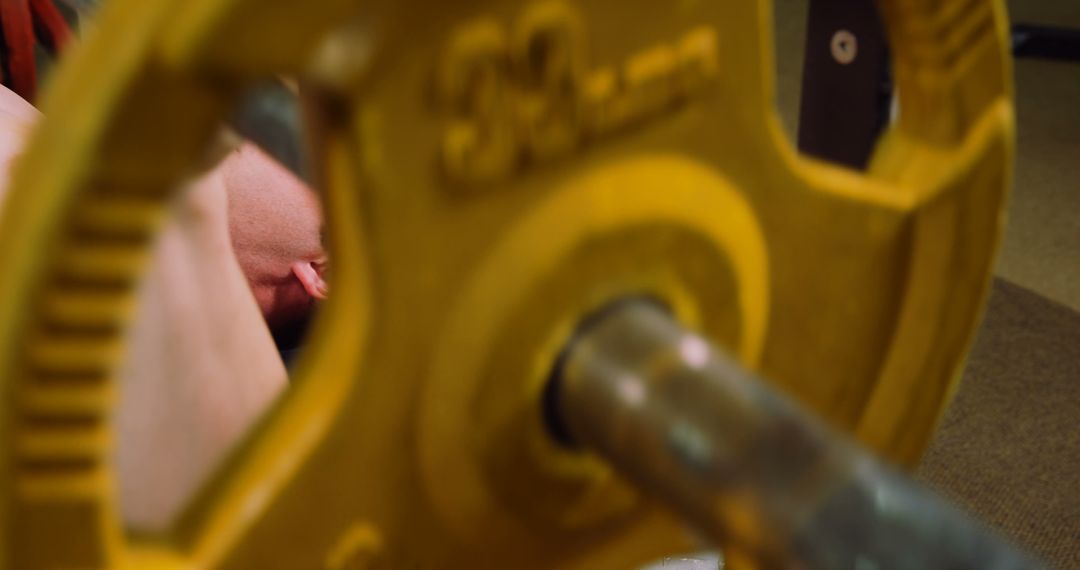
748	468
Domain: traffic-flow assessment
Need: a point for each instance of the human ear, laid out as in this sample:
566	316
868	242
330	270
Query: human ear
310	274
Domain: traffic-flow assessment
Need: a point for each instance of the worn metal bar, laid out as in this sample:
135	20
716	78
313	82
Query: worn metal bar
748	468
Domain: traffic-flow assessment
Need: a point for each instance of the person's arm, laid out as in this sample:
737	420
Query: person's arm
201	367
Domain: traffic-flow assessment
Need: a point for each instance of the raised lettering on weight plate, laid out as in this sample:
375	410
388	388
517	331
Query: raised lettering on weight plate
515	98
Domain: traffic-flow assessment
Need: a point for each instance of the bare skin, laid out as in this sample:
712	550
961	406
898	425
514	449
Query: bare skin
275	222
201	365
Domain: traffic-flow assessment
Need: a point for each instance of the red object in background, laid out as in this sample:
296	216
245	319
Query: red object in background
24	23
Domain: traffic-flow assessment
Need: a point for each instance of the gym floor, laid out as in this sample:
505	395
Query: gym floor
1008	448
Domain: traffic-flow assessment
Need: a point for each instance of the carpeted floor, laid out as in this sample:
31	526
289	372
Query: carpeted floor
1008	449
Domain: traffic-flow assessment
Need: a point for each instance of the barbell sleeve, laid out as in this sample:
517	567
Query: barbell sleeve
745	466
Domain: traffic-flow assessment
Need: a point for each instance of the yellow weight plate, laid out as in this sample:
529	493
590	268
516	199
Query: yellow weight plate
493	171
